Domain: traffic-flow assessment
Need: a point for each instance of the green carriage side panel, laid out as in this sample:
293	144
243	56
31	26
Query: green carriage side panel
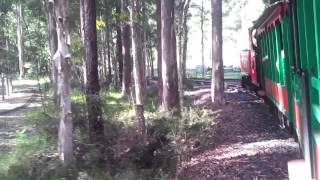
311	57
316	17
266	63
280	63
264	43
301	31
273	56
316	14
269	63
287	47
308	24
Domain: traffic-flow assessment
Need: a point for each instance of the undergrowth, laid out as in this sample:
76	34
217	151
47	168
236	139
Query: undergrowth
170	140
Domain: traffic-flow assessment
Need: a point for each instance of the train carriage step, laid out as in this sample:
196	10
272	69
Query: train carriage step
298	170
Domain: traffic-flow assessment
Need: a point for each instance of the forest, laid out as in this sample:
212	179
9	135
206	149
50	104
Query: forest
111	93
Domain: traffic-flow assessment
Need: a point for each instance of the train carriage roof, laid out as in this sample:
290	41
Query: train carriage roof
271	14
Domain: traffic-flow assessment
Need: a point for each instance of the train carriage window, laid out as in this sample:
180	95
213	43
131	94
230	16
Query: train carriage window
295	37
254	40
281	34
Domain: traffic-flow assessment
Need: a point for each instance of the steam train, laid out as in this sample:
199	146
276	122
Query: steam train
283	65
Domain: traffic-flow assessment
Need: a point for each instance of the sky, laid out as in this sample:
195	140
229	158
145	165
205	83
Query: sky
233	41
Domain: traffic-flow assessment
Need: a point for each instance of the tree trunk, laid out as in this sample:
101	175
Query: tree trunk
19	37
137	47
159	51
151	63
144	43
109	56
169	71
182	44
202	36
63	63
127	65
119	45
217	84
114	64
82	25
96	128
53	46
185	50
103	55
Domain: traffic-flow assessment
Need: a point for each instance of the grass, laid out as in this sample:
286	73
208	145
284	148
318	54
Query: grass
25	147
28	142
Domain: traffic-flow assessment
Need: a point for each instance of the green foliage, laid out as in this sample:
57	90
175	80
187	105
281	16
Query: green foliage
117	108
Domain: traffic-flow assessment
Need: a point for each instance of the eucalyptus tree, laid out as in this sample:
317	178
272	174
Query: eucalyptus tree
182	35
119	71
137	47
19	37
170	93
125	32
217	84
96	126
53	46
159	51
62	60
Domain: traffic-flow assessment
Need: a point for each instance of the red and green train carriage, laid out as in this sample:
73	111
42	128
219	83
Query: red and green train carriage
284	65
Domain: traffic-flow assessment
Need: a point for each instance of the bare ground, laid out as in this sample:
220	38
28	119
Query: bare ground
245	143
12	114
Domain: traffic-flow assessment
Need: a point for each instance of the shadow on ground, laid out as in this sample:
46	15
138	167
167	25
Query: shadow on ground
245	143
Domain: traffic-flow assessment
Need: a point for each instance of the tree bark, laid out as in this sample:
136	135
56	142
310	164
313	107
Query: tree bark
119	45
217	84
96	127
19	38
127	65
182	44
53	46
202	36
82	26
151	63
169	63
144	28
159	51
185	38
137	47
109	56
63	63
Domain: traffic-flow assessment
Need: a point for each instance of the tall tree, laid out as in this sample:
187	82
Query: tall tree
96	127
62	60
19	37
182	29
82	25
202	16
217	83
137	47
108	37
125	32
185	38
119	45
53	45
159	51
170	94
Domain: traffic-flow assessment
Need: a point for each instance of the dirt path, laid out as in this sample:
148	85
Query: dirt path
12	114
246	143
